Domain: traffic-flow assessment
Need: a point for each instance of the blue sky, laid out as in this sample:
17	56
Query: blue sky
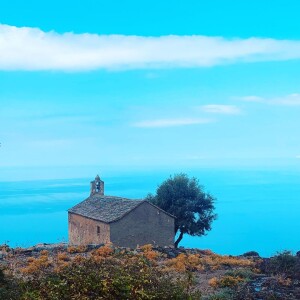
152	84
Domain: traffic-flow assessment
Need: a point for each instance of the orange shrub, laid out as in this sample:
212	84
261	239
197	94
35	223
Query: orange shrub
213	282
62	256
195	262
103	252
216	261
178	263
283	280
148	252
44	252
36	265
229	281
60	266
147	247
78	259
225	281
185	262
78	249
151	255
30	259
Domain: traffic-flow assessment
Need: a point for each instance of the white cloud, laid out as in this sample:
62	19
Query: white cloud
221	109
252	99
287	100
171	122
32	49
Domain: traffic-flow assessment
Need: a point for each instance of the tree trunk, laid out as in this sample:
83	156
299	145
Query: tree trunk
179	239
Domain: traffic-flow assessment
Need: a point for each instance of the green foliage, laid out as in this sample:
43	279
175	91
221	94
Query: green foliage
284	263
223	294
9	289
1	277
241	273
184	198
109	278
251	253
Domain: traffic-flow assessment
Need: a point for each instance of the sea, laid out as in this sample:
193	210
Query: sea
258	210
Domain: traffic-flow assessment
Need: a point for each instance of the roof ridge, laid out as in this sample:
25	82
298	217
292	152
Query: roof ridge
95	196
122	198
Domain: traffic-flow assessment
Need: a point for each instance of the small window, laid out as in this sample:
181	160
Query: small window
98	230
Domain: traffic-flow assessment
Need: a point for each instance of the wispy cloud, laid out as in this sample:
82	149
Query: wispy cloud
33	49
158	123
287	100
251	99
221	109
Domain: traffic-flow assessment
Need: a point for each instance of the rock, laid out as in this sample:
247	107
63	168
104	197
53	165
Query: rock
298	254
171	254
94	246
26	251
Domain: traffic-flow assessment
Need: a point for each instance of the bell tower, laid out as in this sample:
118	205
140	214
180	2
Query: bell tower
97	186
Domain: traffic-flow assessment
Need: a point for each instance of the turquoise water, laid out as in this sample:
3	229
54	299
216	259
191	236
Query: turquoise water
257	210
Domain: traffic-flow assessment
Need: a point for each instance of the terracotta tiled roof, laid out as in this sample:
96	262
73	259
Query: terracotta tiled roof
105	208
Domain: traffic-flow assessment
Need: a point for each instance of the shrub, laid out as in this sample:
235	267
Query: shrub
103	252
283	263
178	263
37	265
226	281
283	280
9	289
229	281
62	256
149	253
241	273
224	294
1	277
213	282
77	249
193	262
251	253
110	279
78	258
215	261
44	252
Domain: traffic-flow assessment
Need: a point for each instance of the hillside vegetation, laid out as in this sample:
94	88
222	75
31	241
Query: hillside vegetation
106	272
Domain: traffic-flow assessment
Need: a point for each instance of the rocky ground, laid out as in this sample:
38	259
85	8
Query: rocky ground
214	276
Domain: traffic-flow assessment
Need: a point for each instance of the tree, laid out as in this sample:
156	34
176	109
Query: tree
184	198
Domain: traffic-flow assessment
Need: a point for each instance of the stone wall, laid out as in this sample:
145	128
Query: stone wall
84	231
143	225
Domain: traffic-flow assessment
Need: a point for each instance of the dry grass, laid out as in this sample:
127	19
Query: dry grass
37	265
77	249
196	262
149	253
